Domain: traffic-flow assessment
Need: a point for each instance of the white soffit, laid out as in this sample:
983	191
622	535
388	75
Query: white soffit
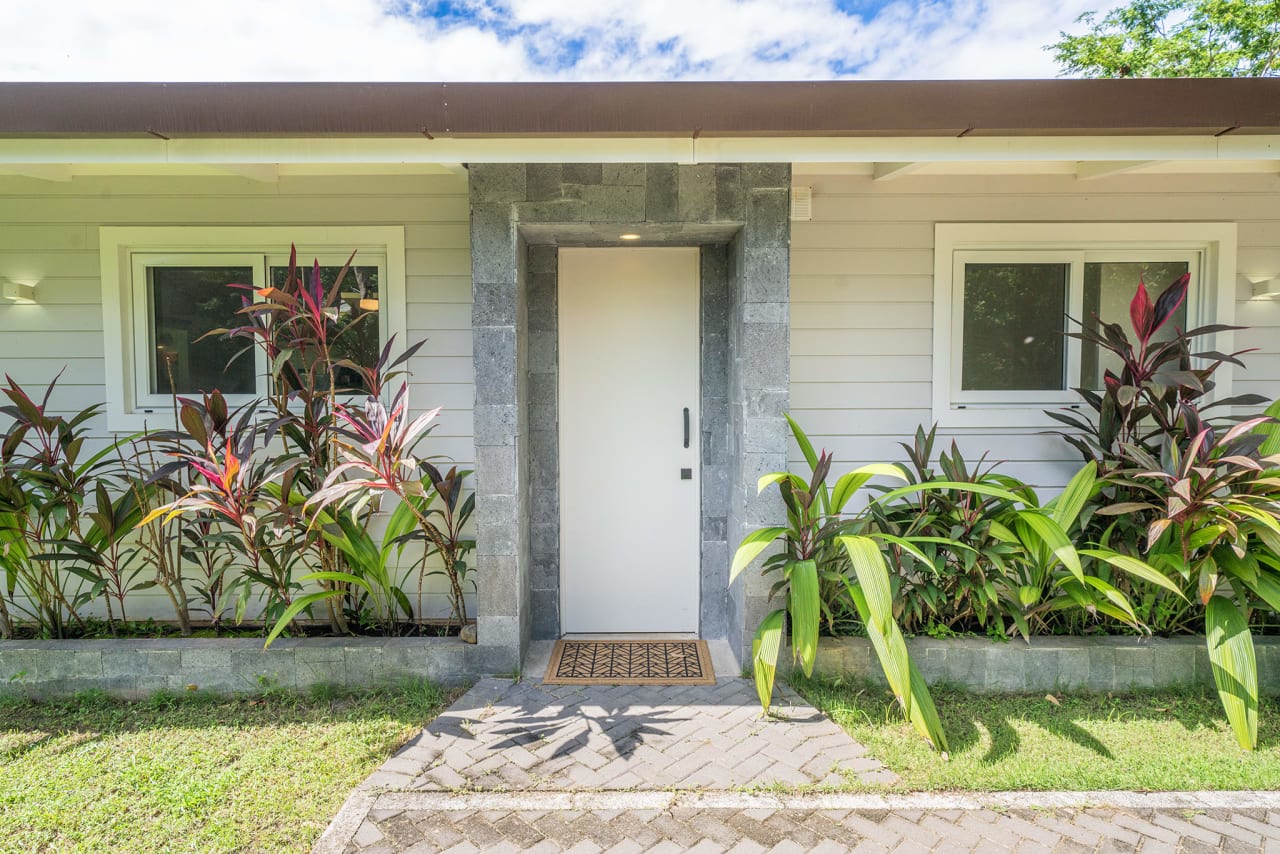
887	159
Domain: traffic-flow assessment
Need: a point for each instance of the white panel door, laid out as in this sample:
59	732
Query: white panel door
629	386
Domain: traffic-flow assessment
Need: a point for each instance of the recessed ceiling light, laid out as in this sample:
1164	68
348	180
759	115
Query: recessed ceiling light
628	237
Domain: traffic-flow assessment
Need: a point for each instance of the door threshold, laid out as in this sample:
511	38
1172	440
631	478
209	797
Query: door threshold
630	636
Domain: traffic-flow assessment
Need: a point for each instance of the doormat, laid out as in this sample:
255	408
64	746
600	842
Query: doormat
630	662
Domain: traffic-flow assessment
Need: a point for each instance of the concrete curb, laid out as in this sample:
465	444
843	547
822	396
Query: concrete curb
561	801
345	824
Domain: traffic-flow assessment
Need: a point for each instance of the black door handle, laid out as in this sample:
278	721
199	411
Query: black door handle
686	426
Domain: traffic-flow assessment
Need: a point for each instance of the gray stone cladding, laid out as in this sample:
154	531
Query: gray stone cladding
520	214
1048	663
137	668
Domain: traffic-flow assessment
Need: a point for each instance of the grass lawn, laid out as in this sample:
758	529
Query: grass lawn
193	773
1157	741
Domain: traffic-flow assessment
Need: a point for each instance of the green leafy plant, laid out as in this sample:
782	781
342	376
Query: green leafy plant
372	570
1046	571
105	554
963	571
976	550
379	457
51	557
814	544
1213	501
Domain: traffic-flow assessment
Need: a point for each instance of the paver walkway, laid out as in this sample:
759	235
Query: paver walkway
534	737
420	823
530	767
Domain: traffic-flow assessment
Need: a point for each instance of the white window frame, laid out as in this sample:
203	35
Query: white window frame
125	250
1210	245
143	325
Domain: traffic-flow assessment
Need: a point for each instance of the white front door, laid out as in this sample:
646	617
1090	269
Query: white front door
629	387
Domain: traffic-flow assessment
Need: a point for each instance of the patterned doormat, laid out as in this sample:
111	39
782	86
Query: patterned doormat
630	662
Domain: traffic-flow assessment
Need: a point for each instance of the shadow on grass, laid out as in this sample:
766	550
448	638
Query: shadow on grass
1073	717
963	732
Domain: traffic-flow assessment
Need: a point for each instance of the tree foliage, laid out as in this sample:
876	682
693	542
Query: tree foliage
1176	38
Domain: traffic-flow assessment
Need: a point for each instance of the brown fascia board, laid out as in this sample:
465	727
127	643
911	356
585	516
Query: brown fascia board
837	108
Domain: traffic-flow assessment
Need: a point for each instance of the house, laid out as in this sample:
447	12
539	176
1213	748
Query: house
623	287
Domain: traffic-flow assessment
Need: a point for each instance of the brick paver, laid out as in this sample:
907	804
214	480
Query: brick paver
532	737
523	767
752	829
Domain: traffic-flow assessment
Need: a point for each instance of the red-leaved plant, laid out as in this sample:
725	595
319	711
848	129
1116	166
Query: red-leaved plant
378	449
239	482
1157	378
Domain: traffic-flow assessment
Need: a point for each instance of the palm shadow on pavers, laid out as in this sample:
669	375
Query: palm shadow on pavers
526	736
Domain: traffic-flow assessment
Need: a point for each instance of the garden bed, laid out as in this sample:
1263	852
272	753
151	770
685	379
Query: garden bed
1051	663
134	668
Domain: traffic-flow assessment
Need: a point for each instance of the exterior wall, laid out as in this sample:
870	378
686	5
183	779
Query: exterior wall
862	291
49	234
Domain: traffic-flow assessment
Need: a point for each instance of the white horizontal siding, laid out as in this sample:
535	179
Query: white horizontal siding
49	234
862	290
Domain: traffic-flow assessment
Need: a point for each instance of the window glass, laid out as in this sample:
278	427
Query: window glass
185	303
357	337
1109	287
1013	323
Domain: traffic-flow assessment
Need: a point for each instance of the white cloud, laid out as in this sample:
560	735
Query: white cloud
605	39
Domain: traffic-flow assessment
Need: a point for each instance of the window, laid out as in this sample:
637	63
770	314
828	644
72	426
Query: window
1004	292
164	289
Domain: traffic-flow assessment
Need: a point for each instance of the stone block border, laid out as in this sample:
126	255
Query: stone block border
1049	663
136	668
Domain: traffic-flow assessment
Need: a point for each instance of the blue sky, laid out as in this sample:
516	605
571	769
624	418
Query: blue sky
533	39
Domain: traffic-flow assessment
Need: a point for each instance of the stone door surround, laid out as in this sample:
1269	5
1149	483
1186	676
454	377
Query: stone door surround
520	214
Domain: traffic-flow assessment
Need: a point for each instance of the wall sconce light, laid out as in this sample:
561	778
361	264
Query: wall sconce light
17	292
1266	288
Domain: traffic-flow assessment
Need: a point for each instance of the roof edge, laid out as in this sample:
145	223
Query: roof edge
1204	106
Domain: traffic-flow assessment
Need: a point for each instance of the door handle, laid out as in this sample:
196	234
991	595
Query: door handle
686	426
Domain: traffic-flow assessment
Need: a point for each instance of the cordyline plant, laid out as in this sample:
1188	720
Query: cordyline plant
378	450
300	327
1204	498
822	540
239	483
816	545
1143	403
1213	501
203	545
45	475
972	543
969	573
